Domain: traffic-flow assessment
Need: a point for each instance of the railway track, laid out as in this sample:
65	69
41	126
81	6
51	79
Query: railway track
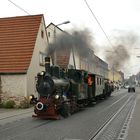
9	117
19	121
33	124
102	133
99	129
28	130
3	118
30	124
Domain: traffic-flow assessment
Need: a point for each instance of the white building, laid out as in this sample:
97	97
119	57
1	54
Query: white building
23	44
70	58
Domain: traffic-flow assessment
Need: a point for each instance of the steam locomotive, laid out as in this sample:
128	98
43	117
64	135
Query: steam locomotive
64	92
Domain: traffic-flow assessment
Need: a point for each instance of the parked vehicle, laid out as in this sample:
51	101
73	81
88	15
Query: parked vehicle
126	86
131	88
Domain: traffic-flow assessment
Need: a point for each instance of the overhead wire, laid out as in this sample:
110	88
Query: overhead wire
98	22
48	42
19	7
94	16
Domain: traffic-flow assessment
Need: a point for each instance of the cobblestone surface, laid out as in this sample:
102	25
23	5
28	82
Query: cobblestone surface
112	131
133	131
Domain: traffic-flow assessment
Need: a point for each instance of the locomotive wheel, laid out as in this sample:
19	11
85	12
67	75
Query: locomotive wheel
64	111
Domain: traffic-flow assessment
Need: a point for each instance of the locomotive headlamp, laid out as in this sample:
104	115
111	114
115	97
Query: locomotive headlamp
57	96
42	73
31	97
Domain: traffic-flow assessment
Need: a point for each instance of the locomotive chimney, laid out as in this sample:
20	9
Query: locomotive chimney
47	64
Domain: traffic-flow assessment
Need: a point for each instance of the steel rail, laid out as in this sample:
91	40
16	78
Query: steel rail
25	132
112	117
15	115
104	110
113	103
126	123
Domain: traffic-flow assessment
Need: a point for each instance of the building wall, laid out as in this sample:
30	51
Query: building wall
115	76
72	59
18	87
53	32
58	57
13	87
36	64
96	65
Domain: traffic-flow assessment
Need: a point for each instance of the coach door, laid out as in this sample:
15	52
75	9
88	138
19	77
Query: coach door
91	86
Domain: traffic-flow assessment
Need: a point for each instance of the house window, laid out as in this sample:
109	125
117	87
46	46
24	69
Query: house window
42	34
42	58
49	34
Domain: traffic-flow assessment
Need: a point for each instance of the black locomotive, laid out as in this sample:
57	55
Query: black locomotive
63	92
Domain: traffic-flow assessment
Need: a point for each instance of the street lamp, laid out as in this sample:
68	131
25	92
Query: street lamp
65	22
109	51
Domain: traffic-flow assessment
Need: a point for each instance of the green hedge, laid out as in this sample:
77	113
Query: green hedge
8	104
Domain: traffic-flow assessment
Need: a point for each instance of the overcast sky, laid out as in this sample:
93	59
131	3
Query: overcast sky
113	15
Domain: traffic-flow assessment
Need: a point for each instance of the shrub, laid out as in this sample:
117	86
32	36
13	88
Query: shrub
24	103
0	105
9	104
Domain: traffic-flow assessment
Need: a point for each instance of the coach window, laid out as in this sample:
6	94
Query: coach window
97	81
100	81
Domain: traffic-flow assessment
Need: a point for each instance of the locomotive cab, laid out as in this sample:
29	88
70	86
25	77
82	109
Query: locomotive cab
79	85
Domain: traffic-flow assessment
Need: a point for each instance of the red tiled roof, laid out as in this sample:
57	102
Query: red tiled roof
63	58
17	40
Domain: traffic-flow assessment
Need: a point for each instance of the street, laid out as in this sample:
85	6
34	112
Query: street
103	120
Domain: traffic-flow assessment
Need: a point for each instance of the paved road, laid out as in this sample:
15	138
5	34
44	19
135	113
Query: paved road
133	132
11	115
81	125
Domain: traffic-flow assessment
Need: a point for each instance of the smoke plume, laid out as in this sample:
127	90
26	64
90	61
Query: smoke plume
121	51
79	40
118	57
